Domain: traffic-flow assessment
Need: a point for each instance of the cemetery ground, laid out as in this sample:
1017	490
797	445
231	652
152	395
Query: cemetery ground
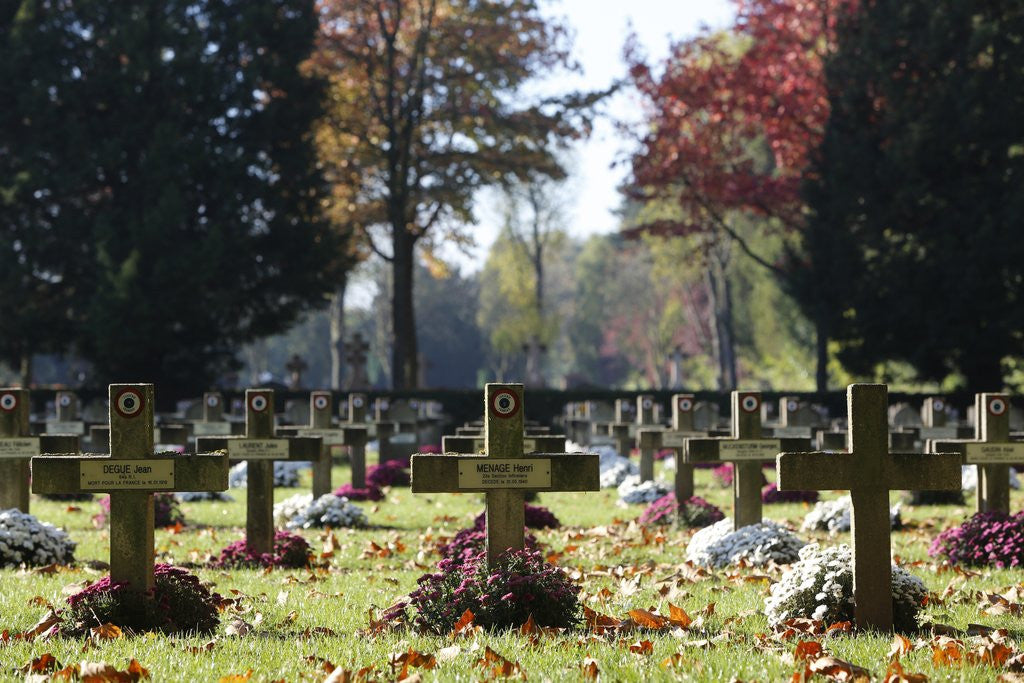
305	624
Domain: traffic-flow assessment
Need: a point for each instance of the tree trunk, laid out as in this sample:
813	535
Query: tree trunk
404	348
722	341
729	336
821	372
26	370
983	372
336	313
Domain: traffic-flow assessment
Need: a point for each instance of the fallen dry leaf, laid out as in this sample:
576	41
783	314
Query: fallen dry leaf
838	669
589	668
896	674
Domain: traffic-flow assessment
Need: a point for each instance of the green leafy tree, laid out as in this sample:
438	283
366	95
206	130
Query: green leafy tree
427	106
160	200
914	242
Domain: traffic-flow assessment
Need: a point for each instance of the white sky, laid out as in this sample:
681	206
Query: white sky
601	27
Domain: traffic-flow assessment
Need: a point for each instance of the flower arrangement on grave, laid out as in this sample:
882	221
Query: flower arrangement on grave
820	586
635	492
166	511
833	516
203	497
301	511
771	494
468	543
537	517
286	474
352	493
520	586
987	539
388	473
26	540
723	474
177	603
291	551
429	448
719	545
695	512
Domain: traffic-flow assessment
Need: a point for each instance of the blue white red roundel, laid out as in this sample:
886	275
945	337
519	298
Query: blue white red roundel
129	402
504	404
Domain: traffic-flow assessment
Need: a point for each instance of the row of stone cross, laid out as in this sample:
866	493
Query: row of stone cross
508	467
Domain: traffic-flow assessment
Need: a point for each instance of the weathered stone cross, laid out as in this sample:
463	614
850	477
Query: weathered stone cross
869	471
130	474
260	449
67	421
321	406
17	448
212	422
505	472
746	450
990	450
653	439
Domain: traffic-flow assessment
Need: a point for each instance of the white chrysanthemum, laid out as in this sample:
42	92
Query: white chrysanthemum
329	510
833	516
286	474
820	586
24	539
636	492
291	507
719	545
614	468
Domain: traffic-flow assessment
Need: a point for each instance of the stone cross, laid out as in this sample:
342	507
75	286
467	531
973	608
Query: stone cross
259	448
213	422
355	358
990	450
532	443
357	408
651	440
505	472
131	473
869	471
321	407
17	448
295	367
68	421
746	450
385	428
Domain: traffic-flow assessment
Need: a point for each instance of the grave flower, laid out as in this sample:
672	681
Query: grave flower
614	468
537	517
633	491
521	585
693	513
468	543
388	473
833	516
166	511
286	474
719	545
26	540
352	493
329	510
772	494
291	551
178	603
820	586
988	539
203	496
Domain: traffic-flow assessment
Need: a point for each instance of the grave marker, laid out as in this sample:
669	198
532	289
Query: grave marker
653	440
295	367
259	448
355	358
990	450
131	473
505	472
869	471
746	450
352	436
67	422
212	422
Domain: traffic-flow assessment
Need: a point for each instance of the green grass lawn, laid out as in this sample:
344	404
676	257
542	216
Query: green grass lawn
294	621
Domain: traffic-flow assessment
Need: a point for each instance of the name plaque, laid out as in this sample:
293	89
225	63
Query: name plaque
995	453
211	428
677	439
498	473
143	475
65	428
754	449
258	449
330	437
19	447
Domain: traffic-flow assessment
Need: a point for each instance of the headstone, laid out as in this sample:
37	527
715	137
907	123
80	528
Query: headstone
653	440
131	473
352	436
357	408
355	359
17	448
212	422
795	418
259	448
505	472
295	367
990	450
646	410
869	471
67	416
746	450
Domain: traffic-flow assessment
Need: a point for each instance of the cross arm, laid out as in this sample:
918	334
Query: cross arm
63	474
923	471
948	446
701	450
300	448
815	471
433	473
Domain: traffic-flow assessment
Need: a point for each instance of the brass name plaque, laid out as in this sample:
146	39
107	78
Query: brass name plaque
19	447
330	437
211	428
65	428
753	449
141	475
258	449
513	473
995	453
